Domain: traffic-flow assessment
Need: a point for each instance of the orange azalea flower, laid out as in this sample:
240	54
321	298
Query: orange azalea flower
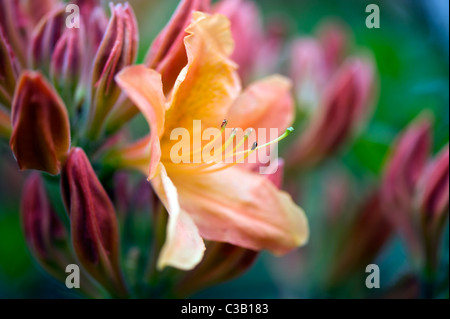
231	204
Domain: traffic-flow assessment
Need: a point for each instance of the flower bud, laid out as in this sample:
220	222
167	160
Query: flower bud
344	106
404	168
14	26
336	39
221	262
117	50
407	163
41	133
8	73
433	198
67	62
44	39
36	10
94	228
46	236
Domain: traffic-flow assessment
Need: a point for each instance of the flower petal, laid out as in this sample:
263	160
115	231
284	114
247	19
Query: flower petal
144	87
184	247
208	85
266	103
243	209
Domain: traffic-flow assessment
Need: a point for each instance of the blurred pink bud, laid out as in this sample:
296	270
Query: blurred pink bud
67	61
405	166
344	106
45	37
8	73
247	31
434	198
94	228
14	26
36	10
46	236
335	38
167	54
221	262
433	195
361	241
117	50
41	133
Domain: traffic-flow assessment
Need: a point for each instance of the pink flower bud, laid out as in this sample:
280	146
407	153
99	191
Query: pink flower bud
36	10
344	106
222	262
117	50
435	188
67	61
41	133
407	163
14	26
46	236
433	199
45	37
404	168
336	39
93	222
8	73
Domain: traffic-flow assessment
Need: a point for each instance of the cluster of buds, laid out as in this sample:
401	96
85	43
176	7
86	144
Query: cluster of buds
61	111
334	92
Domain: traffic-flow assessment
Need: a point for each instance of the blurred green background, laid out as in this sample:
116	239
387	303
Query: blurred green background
411	52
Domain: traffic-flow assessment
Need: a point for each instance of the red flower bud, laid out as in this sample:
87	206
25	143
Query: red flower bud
45	37
14	26
221	262
335	38
433	195
402	173
67	62
36	10
8	73
407	163
46	236
41	134
117	50
93	221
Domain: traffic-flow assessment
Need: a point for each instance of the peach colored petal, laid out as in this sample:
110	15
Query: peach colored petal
144	87
208	85
243	209
184	247
266	103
